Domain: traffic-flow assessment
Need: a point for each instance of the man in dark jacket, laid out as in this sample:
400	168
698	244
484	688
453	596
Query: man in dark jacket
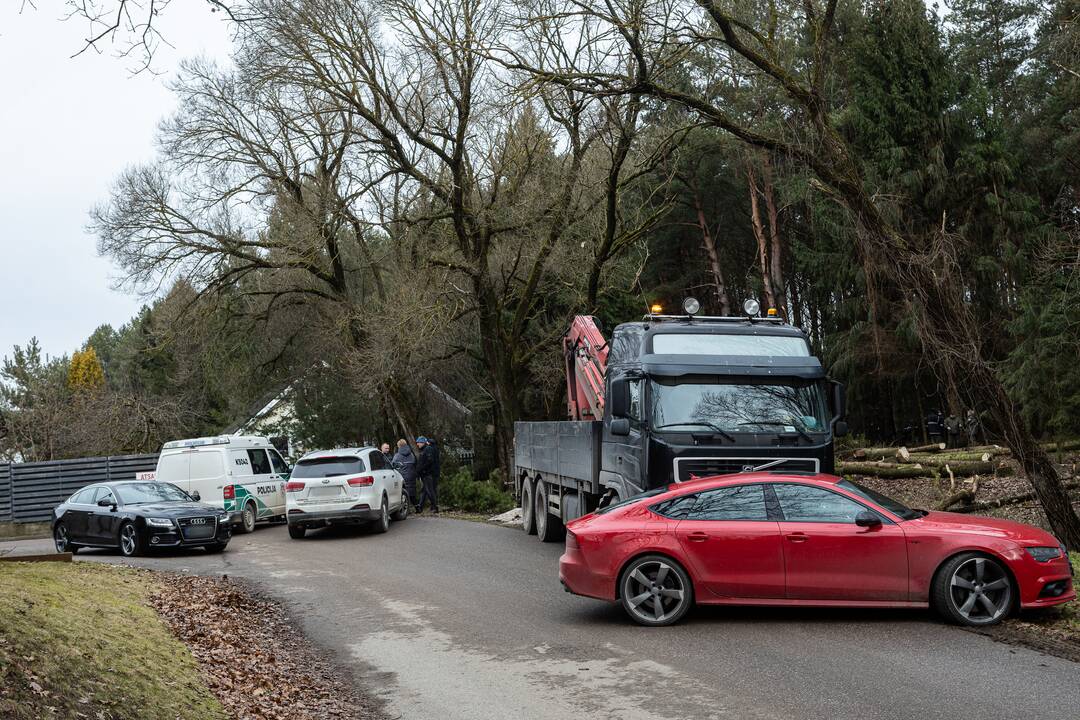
427	466
405	463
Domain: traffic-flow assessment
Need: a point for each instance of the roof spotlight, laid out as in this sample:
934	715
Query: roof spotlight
656	308
691	306
751	307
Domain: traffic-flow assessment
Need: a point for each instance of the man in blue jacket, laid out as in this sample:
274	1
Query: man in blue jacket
427	467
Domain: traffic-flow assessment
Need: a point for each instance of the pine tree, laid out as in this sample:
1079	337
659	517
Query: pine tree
85	373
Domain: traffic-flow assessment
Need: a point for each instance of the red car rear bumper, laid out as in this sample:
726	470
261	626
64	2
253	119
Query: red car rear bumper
575	575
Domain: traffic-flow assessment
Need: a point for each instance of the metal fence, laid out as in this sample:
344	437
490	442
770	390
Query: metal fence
29	491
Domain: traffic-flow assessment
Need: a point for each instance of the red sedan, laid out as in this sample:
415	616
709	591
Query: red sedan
776	539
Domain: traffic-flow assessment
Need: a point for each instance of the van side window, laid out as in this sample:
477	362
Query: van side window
280	466
260	465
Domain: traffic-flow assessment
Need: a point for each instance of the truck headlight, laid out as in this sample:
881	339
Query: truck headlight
1044	554
159	522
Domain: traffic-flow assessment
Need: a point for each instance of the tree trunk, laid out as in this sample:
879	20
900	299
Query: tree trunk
759	234
776	272
707	242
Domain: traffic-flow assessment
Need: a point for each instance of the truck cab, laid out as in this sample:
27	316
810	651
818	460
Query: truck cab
671	398
692	397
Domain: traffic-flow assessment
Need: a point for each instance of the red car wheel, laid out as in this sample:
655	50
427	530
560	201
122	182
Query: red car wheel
655	590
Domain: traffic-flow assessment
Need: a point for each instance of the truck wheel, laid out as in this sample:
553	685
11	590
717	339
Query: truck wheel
528	507
548	527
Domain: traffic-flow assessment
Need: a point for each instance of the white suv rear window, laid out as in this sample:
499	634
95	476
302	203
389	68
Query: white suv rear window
328	467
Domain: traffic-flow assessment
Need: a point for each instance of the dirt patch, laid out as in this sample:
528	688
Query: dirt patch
255	661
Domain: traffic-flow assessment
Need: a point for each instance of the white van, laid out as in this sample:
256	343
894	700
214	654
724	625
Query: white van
243	474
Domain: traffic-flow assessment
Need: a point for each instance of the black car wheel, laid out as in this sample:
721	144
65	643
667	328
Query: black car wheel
296	532
131	542
973	590
62	540
655	590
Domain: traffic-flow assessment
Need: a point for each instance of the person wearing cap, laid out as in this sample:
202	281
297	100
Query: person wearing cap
427	467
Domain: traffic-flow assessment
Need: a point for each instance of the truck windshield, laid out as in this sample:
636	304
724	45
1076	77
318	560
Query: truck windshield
735	408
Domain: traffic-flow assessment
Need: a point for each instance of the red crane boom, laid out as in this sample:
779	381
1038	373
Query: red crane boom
586	354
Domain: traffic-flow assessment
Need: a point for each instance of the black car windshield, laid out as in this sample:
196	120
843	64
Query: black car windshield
738	408
327	467
150	492
896	507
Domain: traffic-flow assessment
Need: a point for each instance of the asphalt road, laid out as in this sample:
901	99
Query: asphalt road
446	619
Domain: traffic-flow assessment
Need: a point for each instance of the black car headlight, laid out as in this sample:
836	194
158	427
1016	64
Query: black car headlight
1044	554
159	522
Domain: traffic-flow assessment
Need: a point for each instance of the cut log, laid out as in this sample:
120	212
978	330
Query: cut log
964	497
882	470
1000	502
874	453
933	447
914	470
1064	445
939	460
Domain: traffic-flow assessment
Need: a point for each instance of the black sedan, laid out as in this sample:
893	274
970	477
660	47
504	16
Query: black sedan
136	516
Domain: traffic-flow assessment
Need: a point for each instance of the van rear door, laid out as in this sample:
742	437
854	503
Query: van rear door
208	475
175	468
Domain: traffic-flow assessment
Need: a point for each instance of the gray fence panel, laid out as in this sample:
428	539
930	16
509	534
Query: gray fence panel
5	492
36	488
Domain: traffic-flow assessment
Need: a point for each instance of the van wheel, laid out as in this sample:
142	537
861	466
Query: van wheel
247	518
548	527
528	507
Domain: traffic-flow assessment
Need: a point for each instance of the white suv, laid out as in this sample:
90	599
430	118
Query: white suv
347	485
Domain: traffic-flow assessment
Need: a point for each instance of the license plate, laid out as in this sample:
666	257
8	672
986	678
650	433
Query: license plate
325	492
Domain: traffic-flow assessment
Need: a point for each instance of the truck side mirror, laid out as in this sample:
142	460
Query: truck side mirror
620	427
620	398
839	428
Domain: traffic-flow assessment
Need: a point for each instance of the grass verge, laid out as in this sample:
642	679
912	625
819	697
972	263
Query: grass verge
78	640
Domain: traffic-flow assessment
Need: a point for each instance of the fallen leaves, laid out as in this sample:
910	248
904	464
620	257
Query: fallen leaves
257	664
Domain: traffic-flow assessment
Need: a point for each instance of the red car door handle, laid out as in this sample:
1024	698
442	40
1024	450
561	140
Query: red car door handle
797	537
697	537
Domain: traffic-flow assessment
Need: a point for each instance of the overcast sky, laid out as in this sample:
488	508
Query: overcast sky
67	127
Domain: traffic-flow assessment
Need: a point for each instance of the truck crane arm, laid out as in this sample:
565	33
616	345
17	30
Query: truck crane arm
586	354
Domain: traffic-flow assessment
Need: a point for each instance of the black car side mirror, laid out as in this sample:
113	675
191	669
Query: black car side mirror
196	496
620	427
106	502
867	519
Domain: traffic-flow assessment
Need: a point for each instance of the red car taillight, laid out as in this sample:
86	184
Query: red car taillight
362	481
229	492
571	540
293	486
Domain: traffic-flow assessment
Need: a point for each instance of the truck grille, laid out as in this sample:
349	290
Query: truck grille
687	468
198	528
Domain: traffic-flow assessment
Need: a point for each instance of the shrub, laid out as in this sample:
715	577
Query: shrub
461	491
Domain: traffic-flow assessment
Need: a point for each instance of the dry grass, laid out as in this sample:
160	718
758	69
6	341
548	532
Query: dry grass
78	640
